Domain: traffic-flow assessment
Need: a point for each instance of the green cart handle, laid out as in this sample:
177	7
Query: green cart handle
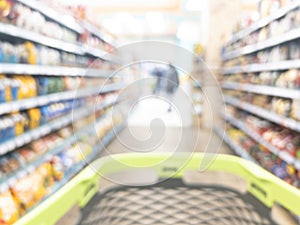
262	184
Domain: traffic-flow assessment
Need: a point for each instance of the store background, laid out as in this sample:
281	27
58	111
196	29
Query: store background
43	71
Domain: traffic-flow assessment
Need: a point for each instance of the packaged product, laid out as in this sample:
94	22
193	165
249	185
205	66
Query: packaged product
29	190
4	166
7	86
9	52
32	54
27	154
13	162
57	167
2	93
81	150
7	129
34	116
71	83
27	88
295	109
32	86
20	159
279	171
294	50
20	123
45	170
39	147
55	84
26	120
65	132
42	85
9	209
51	141
23	191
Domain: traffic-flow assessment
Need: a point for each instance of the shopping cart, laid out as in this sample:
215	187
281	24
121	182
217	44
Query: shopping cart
170	199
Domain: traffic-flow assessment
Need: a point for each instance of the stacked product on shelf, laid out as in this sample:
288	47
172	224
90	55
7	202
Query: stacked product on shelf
55	106
284	142
261	82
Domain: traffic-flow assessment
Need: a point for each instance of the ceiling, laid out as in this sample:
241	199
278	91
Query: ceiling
183	20
148	19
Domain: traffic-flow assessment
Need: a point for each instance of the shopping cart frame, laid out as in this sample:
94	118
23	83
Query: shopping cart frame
79	191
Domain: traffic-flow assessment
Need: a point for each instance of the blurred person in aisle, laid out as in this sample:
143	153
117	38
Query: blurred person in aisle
172	83
158	72
167	81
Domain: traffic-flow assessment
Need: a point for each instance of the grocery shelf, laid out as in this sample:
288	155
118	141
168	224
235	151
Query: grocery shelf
235	147
262	23
288	36
96	52
257	137
261	67
76	48
40	39
263	89
48	128
268	115
52	98
28	167
95	31
77	168
15	68
65	20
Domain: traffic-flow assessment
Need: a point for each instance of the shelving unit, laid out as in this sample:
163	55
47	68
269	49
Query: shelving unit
262	23
242	61
263	113
49	128
289	36
27	168
9	68
261	67
235	147
81	54
65	20
78	48
281	154
263	89
56	97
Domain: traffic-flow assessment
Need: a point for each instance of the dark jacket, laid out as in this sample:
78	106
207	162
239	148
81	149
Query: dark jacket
172	80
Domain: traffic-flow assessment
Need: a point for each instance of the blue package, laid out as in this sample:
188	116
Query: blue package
2	93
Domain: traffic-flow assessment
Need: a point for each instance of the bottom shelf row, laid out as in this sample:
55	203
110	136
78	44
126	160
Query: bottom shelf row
24	190
248	148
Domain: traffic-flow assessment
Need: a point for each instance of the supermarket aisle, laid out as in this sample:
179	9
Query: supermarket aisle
145	113
133	135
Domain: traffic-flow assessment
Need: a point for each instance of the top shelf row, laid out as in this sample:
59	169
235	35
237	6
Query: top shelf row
35	22
77	48
262	23
67	20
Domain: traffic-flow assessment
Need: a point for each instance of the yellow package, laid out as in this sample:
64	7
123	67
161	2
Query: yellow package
23	90
22	190
5	81
57	168
30	81
27	87
9	209
20	123
34	118
37	187
32	55
45	170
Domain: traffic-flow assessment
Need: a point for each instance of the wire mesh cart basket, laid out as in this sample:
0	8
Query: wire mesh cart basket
170	199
